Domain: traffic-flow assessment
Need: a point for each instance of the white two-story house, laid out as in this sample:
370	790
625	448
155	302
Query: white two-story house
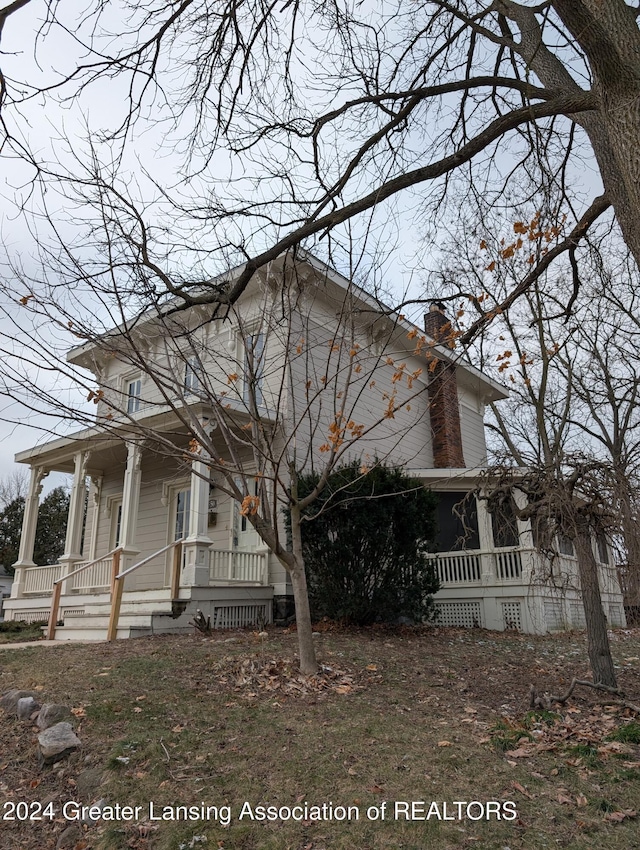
201	415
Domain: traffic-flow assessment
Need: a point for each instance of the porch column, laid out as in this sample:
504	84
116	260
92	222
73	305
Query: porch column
94	500
28	534
525	534
485	535
196	544
130	503
75	519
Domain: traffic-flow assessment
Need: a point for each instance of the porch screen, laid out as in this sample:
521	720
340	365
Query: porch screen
504	522
457	522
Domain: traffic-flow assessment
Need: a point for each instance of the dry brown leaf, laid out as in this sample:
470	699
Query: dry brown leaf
522	790
444	743
581	800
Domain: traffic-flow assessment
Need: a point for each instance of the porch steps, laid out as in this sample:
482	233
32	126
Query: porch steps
142	615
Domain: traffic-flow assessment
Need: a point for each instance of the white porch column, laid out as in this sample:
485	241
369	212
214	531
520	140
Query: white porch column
130	503
485	535
29	525
75	520
94	501
196	544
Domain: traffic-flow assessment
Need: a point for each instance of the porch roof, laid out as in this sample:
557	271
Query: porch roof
58	454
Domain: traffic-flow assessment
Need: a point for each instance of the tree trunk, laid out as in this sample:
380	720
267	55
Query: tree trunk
631	535
597	638
308	662
607	33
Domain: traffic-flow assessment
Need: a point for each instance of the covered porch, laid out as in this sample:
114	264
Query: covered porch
128	506
492	575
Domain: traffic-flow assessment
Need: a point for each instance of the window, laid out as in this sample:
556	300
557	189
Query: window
565	545
603	549
114	510
183	503
134	389
253	368
191	375
457	522
504	522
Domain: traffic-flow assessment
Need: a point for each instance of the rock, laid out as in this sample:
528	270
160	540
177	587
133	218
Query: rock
95	810
9	701
26	707
88	782
57	742
50	714
69	837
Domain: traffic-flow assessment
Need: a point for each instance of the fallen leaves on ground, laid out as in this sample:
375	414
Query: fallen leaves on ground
255	675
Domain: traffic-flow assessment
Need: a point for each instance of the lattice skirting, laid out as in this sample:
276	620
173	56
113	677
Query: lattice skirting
37	615
512	615
615	615
554	615
462	614
238	616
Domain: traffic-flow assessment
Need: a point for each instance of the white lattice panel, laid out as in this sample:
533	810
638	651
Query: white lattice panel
553	615
615	615
38	615
238	616
577	616
463	614
511	615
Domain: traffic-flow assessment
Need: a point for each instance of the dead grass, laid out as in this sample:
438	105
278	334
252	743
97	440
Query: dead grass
440	715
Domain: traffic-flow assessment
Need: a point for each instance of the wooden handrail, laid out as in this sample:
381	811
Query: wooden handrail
116	596
86	566
57	589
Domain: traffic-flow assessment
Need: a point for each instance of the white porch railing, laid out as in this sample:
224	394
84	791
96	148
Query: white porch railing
476	567
230	565
39	581
508	564
458	567
98	575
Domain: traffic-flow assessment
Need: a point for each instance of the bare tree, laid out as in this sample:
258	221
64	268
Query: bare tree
331	107
306	371
571	422
13	486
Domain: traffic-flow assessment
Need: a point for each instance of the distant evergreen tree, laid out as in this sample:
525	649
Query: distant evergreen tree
50	532
365	546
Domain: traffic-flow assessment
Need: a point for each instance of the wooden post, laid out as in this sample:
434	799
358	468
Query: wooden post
115	569
53	613
176	569
116	601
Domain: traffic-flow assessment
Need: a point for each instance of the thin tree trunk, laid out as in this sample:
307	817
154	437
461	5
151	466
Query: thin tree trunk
631	535
598	647
308	662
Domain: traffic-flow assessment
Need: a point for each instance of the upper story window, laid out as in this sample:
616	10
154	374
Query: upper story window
253	368
134	395
191	375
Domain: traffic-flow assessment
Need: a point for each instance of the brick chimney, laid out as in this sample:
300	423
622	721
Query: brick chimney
444	410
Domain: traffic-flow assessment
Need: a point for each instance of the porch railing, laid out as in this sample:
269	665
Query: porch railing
230	565
508	564
97	575
472	567
458	567
39	581
114	560
117	587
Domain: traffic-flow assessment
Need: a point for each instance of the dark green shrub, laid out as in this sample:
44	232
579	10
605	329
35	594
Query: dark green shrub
365	541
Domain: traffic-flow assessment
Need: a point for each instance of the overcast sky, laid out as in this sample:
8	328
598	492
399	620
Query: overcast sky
405	246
